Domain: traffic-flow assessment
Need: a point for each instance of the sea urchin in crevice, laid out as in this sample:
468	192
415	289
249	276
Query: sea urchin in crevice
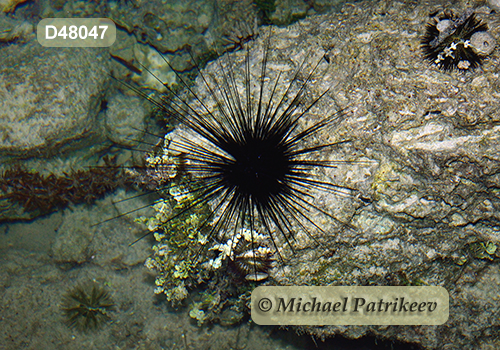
457	42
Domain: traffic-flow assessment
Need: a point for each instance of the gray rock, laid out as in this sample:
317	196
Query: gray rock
205	27
73	240
11	29
125	119
50	97
494	4
288	10
167	26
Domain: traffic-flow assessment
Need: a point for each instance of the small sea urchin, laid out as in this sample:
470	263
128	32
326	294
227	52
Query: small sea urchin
87	306
457	42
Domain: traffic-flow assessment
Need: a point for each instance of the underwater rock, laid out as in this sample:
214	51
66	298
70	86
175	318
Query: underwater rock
124	117
49	98
167	26
10	5
176	27
494	4
423	151
435	138
74	236
286	11
11	29
236	23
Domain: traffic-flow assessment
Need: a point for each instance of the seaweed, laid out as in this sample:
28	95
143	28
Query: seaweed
43	194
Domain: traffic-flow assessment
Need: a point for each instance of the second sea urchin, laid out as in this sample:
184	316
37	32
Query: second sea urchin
87	306
457	42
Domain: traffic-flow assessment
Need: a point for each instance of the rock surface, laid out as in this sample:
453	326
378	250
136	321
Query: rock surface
424	152
49	97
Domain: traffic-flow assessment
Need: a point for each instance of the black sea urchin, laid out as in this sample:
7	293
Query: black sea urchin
248	154
457	42
87	306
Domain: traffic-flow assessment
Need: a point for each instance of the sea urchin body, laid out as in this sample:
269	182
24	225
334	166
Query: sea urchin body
87	306
247	151
457	42
250	159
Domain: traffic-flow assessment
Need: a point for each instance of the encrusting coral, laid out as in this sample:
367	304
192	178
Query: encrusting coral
186	260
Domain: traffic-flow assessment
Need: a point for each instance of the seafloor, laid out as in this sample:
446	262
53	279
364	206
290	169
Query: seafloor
423	153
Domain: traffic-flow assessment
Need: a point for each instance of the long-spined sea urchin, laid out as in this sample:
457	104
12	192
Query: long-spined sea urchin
248	152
